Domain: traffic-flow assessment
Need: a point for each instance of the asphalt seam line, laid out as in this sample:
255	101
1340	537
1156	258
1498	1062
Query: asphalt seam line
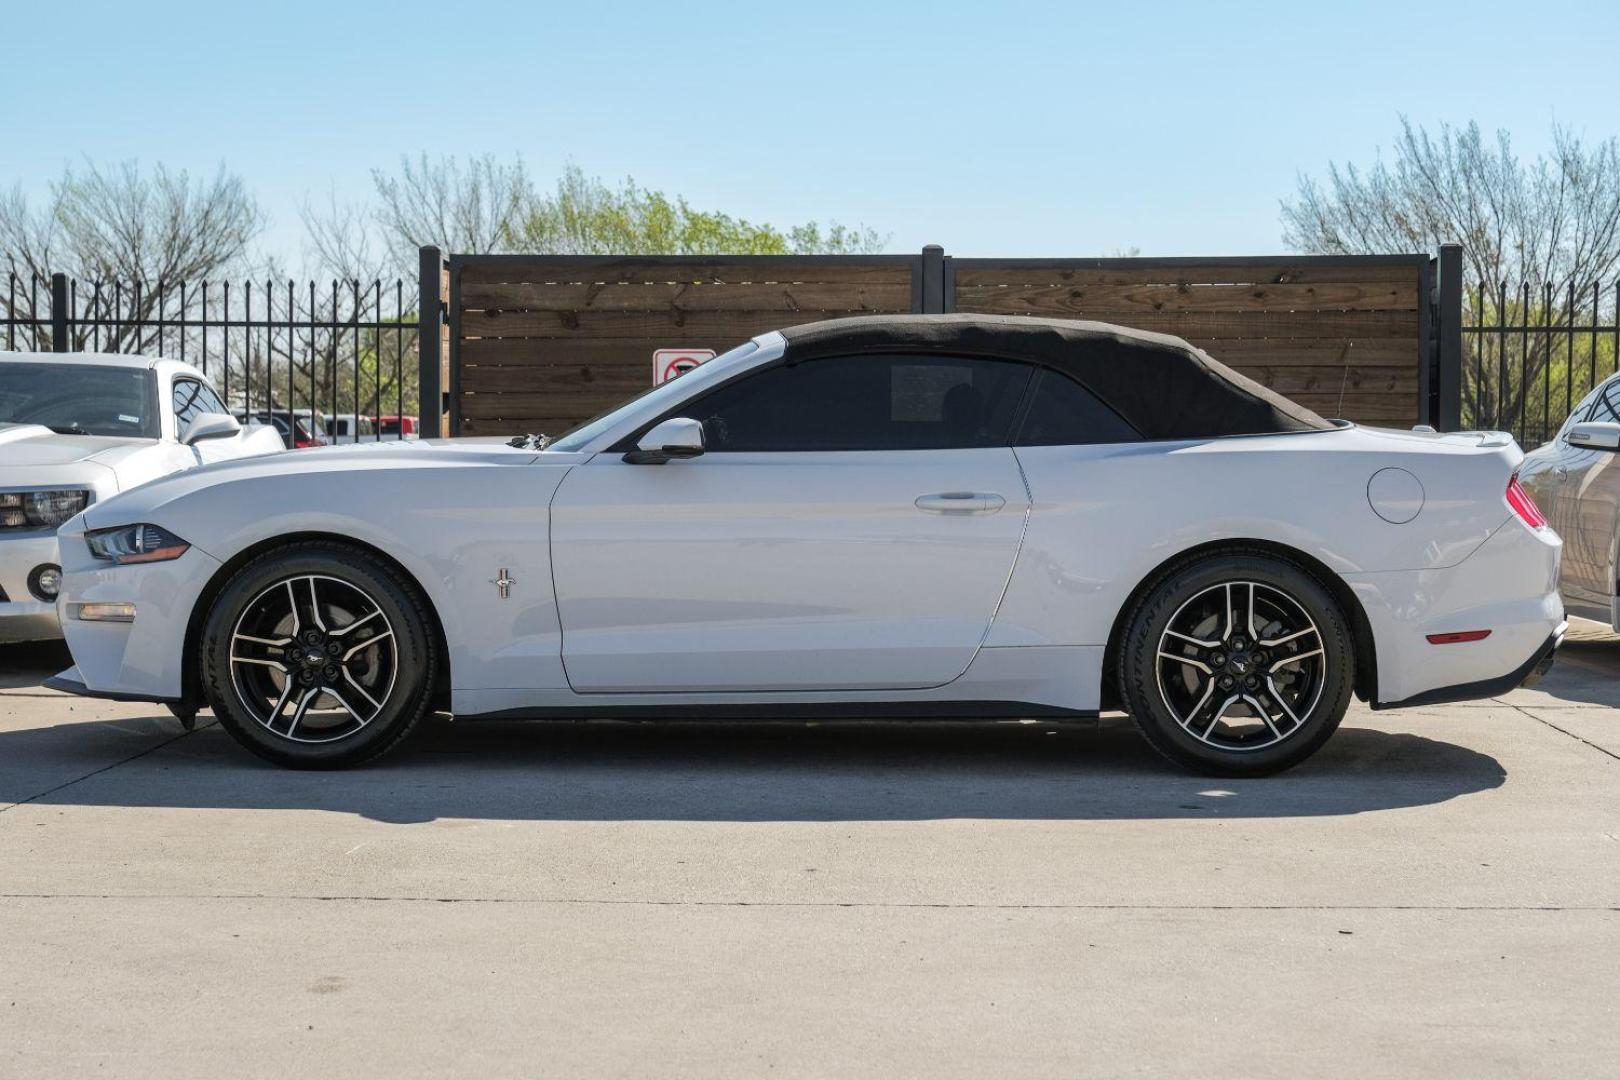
1602	750
105	768
340	898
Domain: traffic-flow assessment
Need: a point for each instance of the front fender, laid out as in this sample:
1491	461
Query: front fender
453	530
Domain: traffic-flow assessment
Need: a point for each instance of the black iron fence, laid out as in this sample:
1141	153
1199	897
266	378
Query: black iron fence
277	346
1532	352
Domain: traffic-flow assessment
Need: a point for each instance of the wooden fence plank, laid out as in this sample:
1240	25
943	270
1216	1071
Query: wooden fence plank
840	297
596	389
1305	352
723	329
1112	301
971	276
1295	352
696	269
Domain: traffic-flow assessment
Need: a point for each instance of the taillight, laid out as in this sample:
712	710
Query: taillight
303	444
1520	502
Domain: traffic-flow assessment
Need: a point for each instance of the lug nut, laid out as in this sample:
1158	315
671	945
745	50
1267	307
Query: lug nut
307	677
331	671
1226	682
1217	659
333	648
1251	682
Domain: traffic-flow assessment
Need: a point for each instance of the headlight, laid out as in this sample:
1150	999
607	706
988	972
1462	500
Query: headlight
135	544
40	509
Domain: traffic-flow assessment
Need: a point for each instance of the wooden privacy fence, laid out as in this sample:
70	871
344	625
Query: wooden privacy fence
539	343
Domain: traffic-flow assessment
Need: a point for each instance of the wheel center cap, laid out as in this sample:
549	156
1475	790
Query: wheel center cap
1239	665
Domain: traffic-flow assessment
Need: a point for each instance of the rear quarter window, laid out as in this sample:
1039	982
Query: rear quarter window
1063	413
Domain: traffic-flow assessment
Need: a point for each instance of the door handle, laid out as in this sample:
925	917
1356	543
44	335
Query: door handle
1560	471
961	502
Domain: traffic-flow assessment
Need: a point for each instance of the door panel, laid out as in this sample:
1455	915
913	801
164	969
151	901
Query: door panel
783	570
1591	511
1585	508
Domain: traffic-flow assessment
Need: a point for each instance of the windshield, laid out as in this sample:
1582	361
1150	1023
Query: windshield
577	438
80	399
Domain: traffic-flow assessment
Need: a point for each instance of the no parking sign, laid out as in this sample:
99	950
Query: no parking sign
669	363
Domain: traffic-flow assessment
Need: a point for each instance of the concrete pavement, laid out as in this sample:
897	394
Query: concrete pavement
1436	894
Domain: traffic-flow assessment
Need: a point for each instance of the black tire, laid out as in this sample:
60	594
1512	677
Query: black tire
1278	688
380	683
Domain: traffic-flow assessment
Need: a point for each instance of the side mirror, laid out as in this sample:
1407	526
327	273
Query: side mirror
674	438
214	425
1595	435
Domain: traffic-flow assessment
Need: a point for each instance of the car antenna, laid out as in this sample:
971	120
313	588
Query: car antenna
1344	378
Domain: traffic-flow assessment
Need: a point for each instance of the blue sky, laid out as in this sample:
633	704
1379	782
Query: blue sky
1017	129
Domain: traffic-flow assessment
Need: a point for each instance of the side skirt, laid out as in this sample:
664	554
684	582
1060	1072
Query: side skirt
831	710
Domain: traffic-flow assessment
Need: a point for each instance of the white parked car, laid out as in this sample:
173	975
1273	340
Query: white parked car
1575	478
348	428
891	516
76	428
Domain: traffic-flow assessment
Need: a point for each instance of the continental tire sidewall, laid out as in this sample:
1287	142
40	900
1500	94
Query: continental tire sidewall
1139	675
404	609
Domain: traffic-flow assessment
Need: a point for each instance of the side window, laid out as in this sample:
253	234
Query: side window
1064	413
866	402
209	401
188	404
1607	406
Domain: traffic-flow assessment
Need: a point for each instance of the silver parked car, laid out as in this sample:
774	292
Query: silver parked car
1575	479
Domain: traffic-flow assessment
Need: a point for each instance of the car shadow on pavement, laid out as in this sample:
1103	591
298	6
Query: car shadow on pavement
23	666
1585	672
686	771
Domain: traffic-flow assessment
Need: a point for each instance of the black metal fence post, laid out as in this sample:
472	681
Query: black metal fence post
430	315
1448	376
60	313
933	279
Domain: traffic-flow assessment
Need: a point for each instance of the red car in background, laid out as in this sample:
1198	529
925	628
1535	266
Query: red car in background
396	427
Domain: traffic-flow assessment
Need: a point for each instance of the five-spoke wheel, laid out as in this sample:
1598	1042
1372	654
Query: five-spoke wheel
318	655
313	658
1237	664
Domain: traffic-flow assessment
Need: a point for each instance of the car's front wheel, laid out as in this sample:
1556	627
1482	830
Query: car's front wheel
318	656
1237	665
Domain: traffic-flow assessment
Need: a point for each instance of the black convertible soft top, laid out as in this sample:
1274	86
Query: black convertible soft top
1161	385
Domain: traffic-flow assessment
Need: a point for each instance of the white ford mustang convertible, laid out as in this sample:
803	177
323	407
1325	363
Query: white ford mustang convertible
926	516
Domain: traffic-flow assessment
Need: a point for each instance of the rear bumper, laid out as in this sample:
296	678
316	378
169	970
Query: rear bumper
1507	586
1527	674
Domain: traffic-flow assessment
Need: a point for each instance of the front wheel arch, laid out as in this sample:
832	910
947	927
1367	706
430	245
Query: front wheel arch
191	688
1365	650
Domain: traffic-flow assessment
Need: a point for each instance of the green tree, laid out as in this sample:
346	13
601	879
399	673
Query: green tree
1530	232
584	216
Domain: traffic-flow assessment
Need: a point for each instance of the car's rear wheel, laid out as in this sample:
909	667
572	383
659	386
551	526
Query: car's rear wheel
318	656
1237	665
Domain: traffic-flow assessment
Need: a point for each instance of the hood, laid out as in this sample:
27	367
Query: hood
30	445
310	465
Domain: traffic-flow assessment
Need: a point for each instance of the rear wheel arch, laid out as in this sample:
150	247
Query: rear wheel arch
1366	659
191	687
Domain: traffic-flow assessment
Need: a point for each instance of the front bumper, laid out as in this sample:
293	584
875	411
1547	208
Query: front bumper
142	660
22	617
